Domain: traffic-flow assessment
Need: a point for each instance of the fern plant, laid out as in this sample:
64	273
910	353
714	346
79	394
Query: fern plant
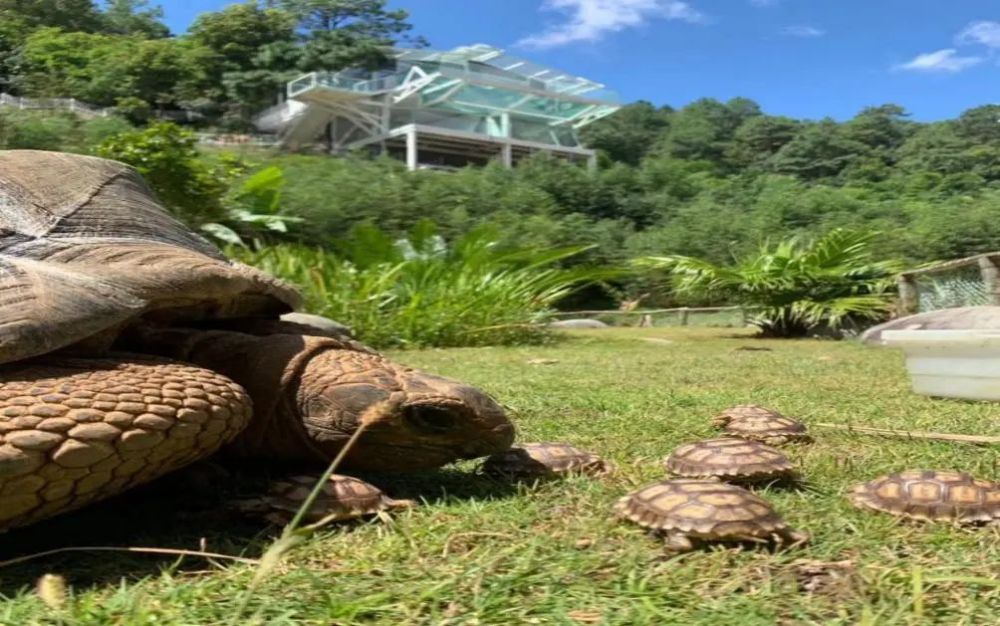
795	287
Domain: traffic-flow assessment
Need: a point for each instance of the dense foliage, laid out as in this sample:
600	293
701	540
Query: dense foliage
795	287
422	291
228	66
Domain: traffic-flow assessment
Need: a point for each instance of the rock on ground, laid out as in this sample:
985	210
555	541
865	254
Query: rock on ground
580	323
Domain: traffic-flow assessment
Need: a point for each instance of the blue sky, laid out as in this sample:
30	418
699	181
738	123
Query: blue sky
802	58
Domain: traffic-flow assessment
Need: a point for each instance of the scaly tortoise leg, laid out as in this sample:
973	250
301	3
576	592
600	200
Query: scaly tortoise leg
73	431
677	542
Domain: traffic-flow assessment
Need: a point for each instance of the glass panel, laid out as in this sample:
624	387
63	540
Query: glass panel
489	97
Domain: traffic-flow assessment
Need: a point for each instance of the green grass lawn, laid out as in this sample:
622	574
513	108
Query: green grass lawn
479	553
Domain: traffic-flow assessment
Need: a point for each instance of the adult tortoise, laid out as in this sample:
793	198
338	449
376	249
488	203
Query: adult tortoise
130	347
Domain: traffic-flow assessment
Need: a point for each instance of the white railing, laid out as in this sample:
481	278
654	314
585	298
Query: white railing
60	104
337	80
236	139
87	110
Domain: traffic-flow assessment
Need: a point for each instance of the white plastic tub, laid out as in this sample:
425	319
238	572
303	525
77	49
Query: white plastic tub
951	363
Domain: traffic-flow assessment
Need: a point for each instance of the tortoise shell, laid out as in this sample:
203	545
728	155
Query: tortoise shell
86	251
760	424
544	460
742	411
686	509
729	458
929	495
342	498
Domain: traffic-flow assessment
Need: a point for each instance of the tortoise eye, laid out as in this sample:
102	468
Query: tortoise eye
430	419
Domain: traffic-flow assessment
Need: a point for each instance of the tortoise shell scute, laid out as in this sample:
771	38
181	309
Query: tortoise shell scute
760	424
341	497
541	460
702	509
930	495
728	457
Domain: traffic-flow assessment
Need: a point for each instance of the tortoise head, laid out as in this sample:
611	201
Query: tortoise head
422	421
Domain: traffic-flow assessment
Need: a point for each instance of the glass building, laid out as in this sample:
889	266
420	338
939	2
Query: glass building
443	109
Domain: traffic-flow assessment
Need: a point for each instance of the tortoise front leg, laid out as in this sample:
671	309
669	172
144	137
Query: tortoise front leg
73	431
676	542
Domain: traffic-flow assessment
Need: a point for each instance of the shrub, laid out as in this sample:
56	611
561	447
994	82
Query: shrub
420	291
797	286
31	131
48	130
167	157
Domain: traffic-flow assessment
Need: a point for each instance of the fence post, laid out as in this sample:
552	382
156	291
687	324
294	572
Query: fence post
683	315
909	295
991	278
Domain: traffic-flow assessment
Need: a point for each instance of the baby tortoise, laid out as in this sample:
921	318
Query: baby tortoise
730	459
760	424
929	495
686	510
532	461
342	498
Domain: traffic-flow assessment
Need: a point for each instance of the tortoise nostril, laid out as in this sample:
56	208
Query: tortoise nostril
430	419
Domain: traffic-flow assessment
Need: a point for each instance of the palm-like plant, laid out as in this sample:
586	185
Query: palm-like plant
795	287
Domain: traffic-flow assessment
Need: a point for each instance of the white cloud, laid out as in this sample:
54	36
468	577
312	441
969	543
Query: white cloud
590	20
803	31
947	60
985	33
764	3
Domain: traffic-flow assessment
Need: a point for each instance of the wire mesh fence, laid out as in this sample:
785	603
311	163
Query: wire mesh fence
972	281
718	317
958	288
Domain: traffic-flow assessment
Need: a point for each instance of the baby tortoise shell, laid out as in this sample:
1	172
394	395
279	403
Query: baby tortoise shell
929	495
686	510
342	498
760	424
729	458
529	461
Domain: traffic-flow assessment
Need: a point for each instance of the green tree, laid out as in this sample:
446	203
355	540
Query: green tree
167	73
252	53
12	33
134	17
935	148
704	129
819	150
628	134
367	19
759	138
167	157
56	63
980	125
882	128
340	33
106	69
238	32
71	15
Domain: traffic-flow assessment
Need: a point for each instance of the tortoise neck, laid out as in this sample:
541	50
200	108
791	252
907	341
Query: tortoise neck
267	368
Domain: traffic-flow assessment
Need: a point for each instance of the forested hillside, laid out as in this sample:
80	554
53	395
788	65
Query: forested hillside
709	179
